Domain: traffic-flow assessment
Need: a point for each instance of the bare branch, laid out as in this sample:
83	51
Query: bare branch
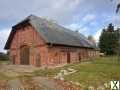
118	8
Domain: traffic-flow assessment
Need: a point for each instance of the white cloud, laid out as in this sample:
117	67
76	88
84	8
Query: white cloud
89	17
84	30
4	33
94	23
79	27
74	26
97	35
115	19
61	10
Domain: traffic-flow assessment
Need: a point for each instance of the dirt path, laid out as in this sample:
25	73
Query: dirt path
50	84
21	78
24	82
41	84
14	84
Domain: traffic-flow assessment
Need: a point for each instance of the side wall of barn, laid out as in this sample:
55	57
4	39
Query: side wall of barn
60	55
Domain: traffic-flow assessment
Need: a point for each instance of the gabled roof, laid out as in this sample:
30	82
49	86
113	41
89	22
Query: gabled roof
53	33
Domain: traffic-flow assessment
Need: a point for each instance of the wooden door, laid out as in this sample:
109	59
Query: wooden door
79	55
68	57
24	55
38	58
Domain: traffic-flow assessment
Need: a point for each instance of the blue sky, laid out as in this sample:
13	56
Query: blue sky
87	16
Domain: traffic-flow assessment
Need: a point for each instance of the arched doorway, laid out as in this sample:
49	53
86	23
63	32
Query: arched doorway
24	55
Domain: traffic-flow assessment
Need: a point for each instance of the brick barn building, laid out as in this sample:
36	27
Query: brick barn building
37	41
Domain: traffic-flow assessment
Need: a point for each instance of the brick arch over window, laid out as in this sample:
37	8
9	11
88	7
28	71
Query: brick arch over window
24	55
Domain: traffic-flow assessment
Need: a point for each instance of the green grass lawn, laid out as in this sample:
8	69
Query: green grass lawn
4	62
97	72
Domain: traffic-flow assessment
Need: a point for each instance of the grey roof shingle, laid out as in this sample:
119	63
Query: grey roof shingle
56	34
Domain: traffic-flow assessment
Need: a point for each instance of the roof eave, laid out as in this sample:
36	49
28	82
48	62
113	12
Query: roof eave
75	46
7	45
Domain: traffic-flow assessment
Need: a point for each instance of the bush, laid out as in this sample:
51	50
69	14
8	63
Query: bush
4	57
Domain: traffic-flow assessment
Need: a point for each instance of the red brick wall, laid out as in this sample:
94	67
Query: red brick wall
49	55
58	55
27	36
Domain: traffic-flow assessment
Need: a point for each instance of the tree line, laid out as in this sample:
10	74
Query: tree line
109	42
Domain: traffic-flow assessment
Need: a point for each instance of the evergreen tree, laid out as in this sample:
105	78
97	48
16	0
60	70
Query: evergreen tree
109	40
117	46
